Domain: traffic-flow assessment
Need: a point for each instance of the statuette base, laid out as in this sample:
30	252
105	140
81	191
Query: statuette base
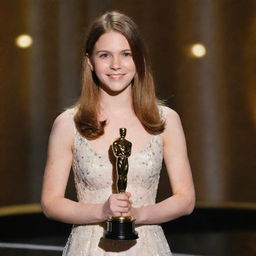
120	228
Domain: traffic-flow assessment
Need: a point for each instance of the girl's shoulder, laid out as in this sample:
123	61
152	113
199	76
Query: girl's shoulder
173	132
168	113
69	112
64	123
172	120
66	117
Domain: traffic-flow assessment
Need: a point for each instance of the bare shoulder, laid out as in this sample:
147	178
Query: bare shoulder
173	129
170	115
63	126
64	121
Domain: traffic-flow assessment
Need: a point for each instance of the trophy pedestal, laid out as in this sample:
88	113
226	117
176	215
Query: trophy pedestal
120	228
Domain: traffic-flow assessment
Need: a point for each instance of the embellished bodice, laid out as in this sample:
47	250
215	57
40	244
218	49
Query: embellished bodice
94	172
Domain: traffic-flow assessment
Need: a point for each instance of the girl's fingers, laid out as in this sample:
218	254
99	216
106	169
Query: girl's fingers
121	196
118	204
128	194
123	203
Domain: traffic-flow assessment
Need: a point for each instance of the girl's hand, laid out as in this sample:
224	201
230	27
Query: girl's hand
117	205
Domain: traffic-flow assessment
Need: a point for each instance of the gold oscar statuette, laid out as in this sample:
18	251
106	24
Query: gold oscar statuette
122	227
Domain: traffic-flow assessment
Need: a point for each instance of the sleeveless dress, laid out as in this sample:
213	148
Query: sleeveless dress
93	174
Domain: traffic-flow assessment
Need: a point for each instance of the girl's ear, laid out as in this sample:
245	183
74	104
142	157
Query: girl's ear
89	62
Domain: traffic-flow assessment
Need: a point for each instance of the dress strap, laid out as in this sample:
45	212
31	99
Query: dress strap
71	112
162	111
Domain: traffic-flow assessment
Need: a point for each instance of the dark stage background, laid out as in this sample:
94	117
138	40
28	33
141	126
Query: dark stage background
215	95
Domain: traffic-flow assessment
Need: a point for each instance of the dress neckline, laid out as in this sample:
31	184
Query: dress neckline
105	155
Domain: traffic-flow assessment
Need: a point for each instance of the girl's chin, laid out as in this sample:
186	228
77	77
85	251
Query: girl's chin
114	90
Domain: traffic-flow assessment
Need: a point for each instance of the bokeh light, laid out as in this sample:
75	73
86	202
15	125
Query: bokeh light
198	50
24	41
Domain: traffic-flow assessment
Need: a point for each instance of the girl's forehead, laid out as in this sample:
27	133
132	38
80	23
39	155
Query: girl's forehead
112	40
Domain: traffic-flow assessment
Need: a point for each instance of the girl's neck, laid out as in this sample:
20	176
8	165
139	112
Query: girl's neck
121	102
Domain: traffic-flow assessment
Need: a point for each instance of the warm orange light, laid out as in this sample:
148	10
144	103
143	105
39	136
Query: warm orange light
198	50
23	41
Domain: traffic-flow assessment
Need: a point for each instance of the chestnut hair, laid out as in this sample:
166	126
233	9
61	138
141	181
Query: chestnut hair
144	100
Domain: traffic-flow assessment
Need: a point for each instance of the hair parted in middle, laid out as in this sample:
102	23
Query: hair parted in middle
144	100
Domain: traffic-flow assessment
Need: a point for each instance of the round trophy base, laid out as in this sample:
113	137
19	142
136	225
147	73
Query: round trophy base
120	228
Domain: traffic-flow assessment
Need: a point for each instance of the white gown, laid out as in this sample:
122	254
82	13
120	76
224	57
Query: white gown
93	174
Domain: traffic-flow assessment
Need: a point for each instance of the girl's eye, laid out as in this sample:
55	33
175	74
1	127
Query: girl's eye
126	54
103	55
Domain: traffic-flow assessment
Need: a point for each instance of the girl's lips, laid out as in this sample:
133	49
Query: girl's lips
115	76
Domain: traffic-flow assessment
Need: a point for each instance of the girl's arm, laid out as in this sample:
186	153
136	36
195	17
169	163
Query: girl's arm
59	160
175	156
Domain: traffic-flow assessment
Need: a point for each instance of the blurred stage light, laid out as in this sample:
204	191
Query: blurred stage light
24	41
198	50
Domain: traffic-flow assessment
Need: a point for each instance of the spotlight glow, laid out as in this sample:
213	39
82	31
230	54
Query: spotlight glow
23	41
198	50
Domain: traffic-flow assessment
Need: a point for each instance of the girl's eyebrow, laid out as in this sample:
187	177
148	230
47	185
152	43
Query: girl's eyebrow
99	51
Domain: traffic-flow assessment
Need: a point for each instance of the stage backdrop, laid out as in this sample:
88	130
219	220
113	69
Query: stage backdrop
214	95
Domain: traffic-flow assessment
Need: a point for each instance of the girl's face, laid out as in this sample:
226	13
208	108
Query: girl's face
112	62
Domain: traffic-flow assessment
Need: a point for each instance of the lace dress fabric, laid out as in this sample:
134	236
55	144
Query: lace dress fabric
93	174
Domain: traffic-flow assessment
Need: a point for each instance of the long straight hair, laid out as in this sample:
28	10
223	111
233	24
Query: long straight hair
144	100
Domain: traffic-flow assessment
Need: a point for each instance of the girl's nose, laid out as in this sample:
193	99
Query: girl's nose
115	63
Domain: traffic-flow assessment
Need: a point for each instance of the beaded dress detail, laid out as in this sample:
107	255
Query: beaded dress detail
93	174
